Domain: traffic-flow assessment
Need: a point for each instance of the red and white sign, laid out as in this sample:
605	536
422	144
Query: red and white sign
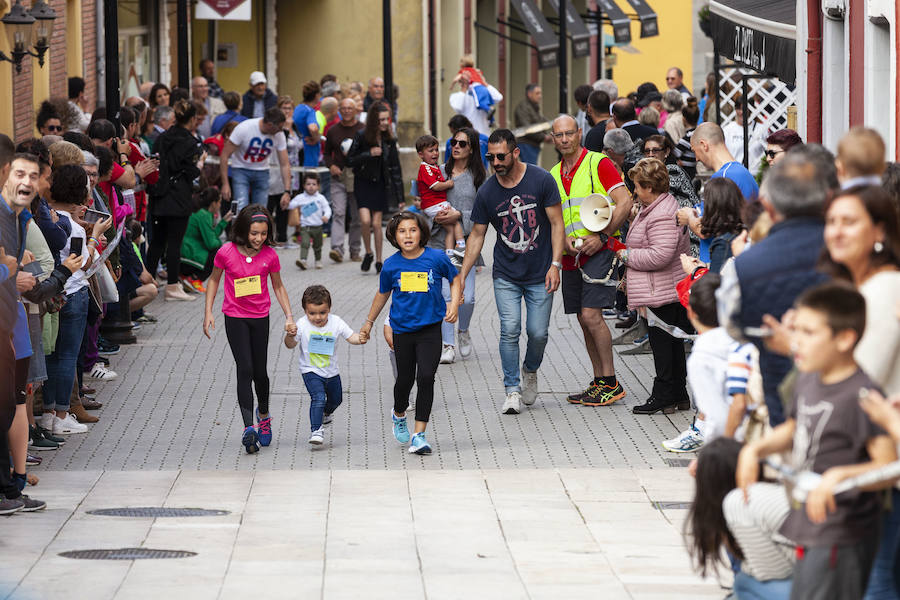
229	10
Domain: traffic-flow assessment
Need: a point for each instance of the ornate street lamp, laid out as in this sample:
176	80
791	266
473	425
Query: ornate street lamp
35	27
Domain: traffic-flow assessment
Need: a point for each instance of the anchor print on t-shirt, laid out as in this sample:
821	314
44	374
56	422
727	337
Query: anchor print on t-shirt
258	149
519	228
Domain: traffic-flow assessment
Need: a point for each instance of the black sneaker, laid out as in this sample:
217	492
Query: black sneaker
579	397
47	435
32	505
9	506
38	442
653	406
378	266
367	262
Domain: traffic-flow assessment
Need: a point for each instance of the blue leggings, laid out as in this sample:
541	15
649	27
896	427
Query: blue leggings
324	397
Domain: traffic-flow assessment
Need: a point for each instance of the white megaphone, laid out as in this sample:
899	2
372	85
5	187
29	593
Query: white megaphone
596	213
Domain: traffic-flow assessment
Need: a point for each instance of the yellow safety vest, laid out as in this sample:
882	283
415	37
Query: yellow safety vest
584	183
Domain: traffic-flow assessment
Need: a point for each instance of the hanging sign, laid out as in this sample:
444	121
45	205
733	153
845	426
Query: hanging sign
227	10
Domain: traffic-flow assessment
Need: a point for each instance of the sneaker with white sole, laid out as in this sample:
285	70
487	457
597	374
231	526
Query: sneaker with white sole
513	404
46	421
317	437
464	342
401	431
327	419
68	425
418	445
448	355
102	373
690	440
529	387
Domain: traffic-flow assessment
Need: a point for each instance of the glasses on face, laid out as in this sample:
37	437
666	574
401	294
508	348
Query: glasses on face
773	153
54	127
501	156
564	134
93	175
651	151
460	143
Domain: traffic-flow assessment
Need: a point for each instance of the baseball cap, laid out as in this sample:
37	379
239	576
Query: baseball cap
257	77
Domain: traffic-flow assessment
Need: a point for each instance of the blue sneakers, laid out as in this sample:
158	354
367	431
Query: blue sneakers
418	445
401	431
250	440
265	429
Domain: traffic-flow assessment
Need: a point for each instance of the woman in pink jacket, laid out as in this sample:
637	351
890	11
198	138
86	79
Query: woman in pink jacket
655	243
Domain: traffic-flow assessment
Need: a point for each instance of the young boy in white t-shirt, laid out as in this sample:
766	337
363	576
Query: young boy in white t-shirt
317	333
314	213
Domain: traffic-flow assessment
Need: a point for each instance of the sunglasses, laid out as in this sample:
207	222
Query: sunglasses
54	128
460	143
773	153
653	150
500	156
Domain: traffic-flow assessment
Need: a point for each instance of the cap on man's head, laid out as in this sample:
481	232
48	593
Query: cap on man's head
257	77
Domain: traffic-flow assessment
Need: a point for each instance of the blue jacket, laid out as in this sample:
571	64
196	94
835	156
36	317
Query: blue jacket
12	239
222	120
269	100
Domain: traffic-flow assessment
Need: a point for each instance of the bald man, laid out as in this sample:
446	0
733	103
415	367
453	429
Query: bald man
214	106
589	273
375	94
675	81
708	143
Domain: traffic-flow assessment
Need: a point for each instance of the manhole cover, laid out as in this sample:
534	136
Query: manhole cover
678	462
156	511
671	505
126	554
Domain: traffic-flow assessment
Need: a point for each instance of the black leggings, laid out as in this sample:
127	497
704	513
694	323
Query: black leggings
168	233
249	341
670	384
418	354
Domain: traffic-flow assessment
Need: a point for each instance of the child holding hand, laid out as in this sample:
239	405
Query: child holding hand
316	334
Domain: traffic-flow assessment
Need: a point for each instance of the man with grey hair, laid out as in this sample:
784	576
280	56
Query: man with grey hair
163	118
214	106
673	103
609	86
675	81
616	144
764	281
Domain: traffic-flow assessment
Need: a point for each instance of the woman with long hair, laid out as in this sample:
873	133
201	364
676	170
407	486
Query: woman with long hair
375	161
465	167
159	95
721	220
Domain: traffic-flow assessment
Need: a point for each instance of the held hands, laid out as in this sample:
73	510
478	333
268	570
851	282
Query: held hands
363	337
452	311
365	330
290	327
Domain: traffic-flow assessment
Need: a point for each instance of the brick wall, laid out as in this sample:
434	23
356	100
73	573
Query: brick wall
57	52
23	104
89	47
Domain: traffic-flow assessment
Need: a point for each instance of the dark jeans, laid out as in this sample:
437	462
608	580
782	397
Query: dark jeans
168	233
884	581
670	384
249	340
325	395
418	355
280	215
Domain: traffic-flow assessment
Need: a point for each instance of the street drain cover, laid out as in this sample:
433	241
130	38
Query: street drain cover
126	554
678	462
156	511
659	505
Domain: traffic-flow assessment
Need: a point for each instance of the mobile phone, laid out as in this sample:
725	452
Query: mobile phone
234	207
34	267
76	246
95	216
759	332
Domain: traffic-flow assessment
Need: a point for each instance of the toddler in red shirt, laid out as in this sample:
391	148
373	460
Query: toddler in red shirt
433	195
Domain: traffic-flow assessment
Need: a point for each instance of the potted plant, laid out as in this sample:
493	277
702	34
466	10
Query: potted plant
704	21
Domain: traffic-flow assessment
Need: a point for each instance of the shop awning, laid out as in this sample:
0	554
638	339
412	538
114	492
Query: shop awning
757	34
647	17
542	34
578	31
621	24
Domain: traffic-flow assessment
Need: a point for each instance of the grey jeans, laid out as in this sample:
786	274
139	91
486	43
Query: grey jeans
343	204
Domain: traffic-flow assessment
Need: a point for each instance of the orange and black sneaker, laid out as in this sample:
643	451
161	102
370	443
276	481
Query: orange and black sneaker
577	398
603	395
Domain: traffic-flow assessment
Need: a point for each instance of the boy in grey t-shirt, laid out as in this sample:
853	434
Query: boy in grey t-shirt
828	433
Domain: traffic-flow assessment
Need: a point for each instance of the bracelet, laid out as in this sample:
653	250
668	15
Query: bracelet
370	321
556	264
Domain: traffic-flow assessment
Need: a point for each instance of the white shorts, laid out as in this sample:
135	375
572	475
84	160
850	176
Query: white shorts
432	211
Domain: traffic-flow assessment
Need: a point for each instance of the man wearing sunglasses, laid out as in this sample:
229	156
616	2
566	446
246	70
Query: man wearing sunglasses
521	202
589	273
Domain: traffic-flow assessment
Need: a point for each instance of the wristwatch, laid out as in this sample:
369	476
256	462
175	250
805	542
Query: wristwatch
557	264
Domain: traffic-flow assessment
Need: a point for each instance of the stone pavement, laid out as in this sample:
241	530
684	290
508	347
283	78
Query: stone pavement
553	502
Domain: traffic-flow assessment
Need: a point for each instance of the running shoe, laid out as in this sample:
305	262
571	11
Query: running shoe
250	440
465	344
145	318
264	427
448	355
31	505
317	437
102	373
513	404
690	440
9	506
418	445
37	442
603	395
301	264
401	431
327	419
197	285
529	387
577	398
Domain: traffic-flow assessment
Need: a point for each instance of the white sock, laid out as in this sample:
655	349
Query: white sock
701	426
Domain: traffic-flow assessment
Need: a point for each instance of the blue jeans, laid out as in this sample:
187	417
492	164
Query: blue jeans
529	154
466	309
324	397
883	581
250	187
748	588
62	363
538	304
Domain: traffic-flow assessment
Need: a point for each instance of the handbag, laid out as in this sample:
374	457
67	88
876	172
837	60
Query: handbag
294	217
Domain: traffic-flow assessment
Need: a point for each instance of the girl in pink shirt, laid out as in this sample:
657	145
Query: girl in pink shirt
247	260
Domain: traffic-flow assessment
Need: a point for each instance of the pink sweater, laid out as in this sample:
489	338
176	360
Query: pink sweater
655	244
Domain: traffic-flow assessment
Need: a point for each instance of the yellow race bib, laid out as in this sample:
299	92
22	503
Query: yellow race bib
247	286
411	281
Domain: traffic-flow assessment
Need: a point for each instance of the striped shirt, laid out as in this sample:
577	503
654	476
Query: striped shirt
740	365
685	154
755	524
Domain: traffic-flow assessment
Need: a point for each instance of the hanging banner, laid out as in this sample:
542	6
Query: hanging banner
224	10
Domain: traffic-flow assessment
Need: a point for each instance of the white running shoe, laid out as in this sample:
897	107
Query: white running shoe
317	437
529	387
68	425
513	404
102	373
327	419
690	440
448	355
464	341
46	421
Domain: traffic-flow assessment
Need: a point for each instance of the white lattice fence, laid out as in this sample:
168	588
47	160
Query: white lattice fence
769	98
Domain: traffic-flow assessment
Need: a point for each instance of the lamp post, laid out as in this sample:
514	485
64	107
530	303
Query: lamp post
24	27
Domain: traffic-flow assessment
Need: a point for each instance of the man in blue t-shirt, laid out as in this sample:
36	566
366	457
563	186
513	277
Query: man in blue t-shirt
306	125
522	203
708	143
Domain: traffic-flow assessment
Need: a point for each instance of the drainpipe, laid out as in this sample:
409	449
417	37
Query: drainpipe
814	72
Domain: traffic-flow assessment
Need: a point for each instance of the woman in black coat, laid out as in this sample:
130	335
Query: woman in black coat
377	179
171	198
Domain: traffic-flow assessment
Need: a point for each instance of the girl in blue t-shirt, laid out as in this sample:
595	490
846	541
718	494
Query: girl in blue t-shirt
413	276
